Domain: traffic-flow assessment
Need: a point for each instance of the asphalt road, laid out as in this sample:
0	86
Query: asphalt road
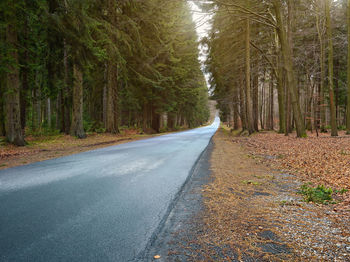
101	205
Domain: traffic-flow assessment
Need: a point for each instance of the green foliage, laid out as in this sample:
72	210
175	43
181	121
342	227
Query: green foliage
341	191
152	45
42	132
319	194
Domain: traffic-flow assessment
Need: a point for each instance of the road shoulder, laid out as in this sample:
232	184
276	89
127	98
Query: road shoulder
244	210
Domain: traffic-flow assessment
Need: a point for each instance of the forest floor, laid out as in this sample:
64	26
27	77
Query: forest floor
249	206
46	147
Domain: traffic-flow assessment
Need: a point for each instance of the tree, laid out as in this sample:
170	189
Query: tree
348	72
13	127
334	131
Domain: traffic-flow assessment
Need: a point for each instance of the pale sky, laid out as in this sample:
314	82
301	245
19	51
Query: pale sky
203	25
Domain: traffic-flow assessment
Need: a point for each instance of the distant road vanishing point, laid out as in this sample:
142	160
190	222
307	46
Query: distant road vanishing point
101	205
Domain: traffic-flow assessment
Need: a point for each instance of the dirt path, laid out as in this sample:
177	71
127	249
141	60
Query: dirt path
249	212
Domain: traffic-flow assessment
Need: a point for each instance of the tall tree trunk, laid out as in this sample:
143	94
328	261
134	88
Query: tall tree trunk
271	98
280	93
2	116
14	133
104	96
235	107
334	131
288	64
262	123
25	84
348	74
242	100
58	110
249	106
111	126
65	108
48	112
155	120
77	128
256	99
322	69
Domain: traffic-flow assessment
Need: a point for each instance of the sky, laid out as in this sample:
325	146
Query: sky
203	25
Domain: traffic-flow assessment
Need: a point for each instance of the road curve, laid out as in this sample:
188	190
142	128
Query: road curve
101	205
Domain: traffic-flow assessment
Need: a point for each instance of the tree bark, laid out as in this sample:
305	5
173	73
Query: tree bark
235	107
334	130
280	93
242	100
322	73
111	125
256	99
348	74
249	106
271	104
14	133
288	64
65	108
2	116
25	84
77	128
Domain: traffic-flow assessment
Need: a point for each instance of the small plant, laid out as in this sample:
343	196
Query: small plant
319	194
250	182
341	191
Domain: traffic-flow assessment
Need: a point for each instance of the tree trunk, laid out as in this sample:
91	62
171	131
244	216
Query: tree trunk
288	64
334	131
104	97
348	74
77	128
14	133
155	120
235	108
112	78
2	116
243	111
271	98
25	84
256	99
281	95
322	110
48	111
249	106
65	108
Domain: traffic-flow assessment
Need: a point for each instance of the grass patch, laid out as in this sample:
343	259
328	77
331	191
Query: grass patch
319	194
251	182
2	165
341	191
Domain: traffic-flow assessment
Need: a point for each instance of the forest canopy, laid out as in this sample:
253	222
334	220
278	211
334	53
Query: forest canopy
77	66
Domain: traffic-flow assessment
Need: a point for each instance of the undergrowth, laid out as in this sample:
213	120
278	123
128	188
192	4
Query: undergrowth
319	194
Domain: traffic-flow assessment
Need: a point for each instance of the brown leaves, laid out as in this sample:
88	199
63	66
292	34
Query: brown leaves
322	160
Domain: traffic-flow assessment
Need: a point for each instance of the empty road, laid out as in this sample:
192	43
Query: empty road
101	205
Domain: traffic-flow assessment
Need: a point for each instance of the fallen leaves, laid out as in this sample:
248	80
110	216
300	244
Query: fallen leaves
321	160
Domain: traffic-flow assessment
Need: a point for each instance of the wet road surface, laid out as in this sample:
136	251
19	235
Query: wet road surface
101	205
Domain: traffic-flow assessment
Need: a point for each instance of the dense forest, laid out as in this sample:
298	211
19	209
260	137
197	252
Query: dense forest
77	66
280	63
